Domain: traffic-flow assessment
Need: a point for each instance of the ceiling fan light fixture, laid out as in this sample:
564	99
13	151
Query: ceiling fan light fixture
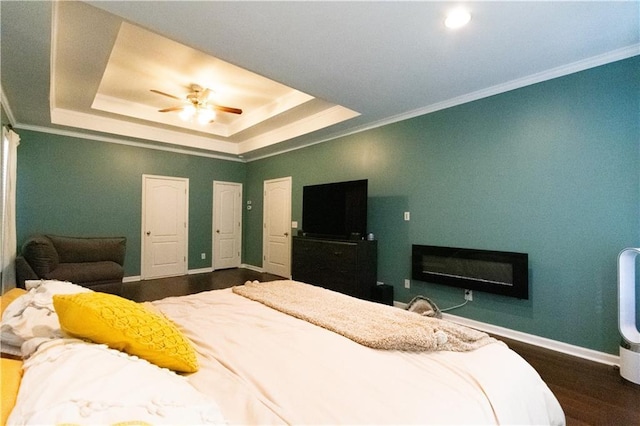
188	112
205	115
199	107
457	18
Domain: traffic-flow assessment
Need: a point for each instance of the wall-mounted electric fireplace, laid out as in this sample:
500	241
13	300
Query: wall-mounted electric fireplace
498	272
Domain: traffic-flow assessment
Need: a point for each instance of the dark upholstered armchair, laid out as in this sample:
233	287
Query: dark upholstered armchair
95	263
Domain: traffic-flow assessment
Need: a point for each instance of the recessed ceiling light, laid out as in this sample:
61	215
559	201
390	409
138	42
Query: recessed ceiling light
457	18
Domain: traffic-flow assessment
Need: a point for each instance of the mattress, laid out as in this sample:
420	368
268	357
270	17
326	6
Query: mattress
258	365
264	367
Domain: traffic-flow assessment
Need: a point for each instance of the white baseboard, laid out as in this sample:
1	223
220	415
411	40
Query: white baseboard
252	267
199	271
531	339
134	278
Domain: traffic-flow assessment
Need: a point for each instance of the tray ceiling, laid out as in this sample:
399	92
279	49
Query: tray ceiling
303	72
116	97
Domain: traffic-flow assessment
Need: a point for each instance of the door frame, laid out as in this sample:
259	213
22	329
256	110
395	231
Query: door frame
143	248
213	219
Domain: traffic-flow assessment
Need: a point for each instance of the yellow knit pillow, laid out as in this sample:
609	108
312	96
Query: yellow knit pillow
126	326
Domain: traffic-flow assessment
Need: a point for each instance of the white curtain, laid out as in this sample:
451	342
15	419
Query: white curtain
8	244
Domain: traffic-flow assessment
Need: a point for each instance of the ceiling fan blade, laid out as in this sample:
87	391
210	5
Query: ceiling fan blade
228	109
165	94
206	94
175	108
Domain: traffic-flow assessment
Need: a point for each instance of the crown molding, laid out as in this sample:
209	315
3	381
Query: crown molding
609	57
98	138
7	107
606	58
311	123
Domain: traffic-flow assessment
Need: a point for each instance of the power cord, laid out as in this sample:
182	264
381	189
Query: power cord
454	307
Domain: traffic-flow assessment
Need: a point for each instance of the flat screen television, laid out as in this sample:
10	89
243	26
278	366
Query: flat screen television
335	210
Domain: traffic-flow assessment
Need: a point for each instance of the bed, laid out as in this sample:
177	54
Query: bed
255	358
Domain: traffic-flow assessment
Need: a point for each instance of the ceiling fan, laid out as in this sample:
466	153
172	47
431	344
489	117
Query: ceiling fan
197	104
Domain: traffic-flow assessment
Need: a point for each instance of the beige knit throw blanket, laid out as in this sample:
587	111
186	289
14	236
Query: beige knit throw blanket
370	324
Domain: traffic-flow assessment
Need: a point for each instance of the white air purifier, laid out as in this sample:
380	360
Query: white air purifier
630	344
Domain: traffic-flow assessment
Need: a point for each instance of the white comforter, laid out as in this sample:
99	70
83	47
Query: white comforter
260	366
263	366
69	381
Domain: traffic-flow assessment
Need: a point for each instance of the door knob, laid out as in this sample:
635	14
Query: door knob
217	231
148	232
286	234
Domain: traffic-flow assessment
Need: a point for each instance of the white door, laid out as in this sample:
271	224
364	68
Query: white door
276	249
227	224
164	226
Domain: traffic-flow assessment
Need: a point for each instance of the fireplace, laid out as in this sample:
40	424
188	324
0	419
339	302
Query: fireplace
498	272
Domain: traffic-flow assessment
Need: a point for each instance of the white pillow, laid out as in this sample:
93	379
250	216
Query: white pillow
56	286
32	315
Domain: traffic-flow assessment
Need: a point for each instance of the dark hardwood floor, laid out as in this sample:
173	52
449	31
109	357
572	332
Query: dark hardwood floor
590	393
148	290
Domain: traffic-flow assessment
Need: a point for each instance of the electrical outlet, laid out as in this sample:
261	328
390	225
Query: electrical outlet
407	216
407	283
203	255
468	295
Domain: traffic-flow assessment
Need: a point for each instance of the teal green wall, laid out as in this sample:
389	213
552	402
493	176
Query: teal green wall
73	186
552	169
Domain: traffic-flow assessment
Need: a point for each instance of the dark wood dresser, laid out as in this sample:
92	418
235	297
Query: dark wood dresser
349	267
